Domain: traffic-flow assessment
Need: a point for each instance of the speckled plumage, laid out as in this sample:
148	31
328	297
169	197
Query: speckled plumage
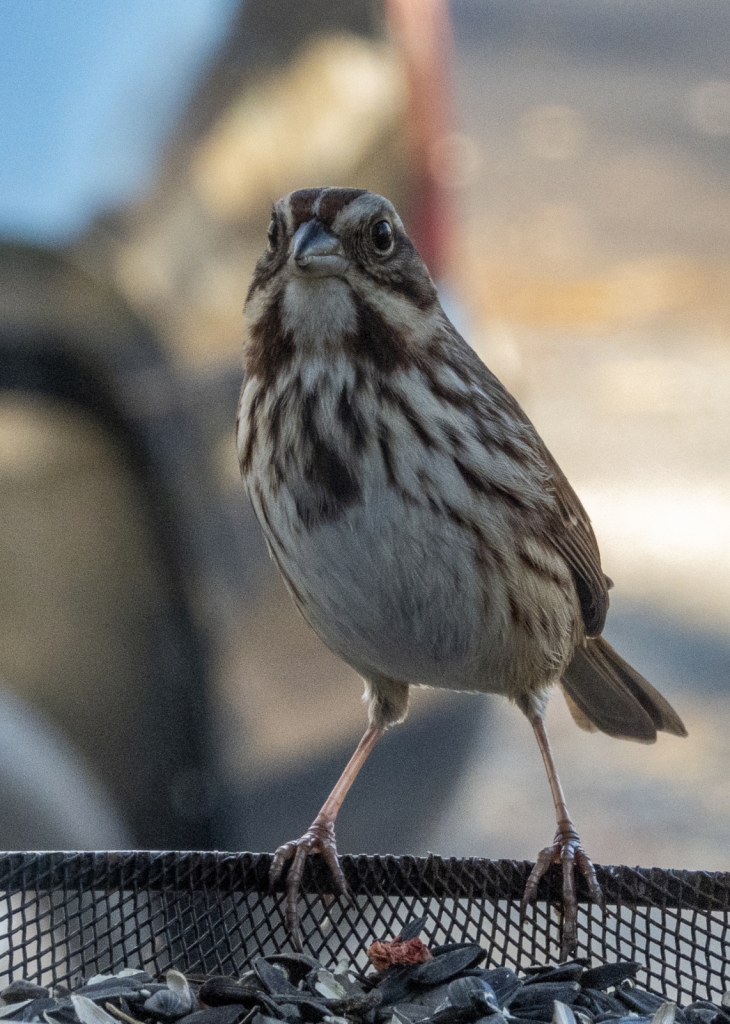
419	522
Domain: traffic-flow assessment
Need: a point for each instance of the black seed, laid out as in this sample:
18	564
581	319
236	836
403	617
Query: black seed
412	929
113	988
607	975
564	972
542	1011
262	1018
449	947
19	990
413	1012
167	1005
223	991
216	1015
395	985
504	982
599	1002
36	1007
297	965
447	965
473	992
274	980
454	1015
639	1000
539	992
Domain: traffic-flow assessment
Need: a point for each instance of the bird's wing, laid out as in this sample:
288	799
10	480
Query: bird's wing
569	527
573	536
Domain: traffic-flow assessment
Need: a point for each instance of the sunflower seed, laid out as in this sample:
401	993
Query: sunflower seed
665	1014
89	1013
609	975
563	1014
643	1002
412	929
216	1015
167	1005
447	965
273	979
12	1008
565	972
540	991
22	990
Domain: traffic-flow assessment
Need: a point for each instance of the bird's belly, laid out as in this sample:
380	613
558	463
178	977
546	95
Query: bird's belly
395	592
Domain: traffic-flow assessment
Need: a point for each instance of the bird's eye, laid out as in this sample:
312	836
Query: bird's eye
273	233
381	234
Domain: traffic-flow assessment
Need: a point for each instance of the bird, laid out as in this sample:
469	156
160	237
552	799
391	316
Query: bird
419	522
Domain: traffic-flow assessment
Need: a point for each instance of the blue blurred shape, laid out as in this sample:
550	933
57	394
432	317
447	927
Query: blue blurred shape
88	93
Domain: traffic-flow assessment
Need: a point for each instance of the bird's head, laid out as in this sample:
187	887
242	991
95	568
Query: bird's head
329	248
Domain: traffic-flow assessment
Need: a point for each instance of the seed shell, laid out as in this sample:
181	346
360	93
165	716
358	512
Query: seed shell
609	975
447	965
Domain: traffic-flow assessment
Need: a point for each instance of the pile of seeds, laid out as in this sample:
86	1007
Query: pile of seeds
447	988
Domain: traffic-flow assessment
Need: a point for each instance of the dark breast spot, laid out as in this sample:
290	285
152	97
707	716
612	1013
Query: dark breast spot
396	398
270	347
386	452
376	341
454	516
351	419
479	484
472	480
330	486
446	394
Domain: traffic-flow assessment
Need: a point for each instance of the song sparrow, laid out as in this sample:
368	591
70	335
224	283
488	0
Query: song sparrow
419	522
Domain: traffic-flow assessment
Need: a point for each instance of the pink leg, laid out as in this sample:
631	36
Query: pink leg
566	850
319	838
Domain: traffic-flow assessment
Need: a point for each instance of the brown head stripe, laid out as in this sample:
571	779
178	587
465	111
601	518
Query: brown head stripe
302	203
336	199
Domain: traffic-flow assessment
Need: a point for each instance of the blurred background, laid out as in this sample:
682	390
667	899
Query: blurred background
564	168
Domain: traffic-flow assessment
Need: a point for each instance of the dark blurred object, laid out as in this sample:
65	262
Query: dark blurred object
107	548
49	797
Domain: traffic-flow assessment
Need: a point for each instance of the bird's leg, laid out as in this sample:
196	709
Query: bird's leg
319	838
566	850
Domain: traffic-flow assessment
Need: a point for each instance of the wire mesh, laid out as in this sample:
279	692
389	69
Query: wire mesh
66	916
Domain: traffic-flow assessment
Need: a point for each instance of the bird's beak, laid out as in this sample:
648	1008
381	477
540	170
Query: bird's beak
316	252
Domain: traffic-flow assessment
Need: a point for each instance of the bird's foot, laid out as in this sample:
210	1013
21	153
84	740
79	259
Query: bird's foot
319	838
566	850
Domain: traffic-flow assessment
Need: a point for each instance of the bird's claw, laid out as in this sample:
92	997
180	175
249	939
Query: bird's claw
566	850
319	838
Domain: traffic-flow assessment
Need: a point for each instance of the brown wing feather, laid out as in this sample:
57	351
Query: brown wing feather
570	531
615	697
574	538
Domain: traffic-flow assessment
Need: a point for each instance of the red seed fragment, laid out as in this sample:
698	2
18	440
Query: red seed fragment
383	955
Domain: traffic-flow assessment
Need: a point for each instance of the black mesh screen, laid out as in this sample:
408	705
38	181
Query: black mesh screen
64	916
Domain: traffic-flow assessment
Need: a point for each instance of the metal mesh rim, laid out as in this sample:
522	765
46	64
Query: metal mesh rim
64	916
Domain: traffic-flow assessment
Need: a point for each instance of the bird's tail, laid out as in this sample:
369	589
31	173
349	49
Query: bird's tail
604	692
